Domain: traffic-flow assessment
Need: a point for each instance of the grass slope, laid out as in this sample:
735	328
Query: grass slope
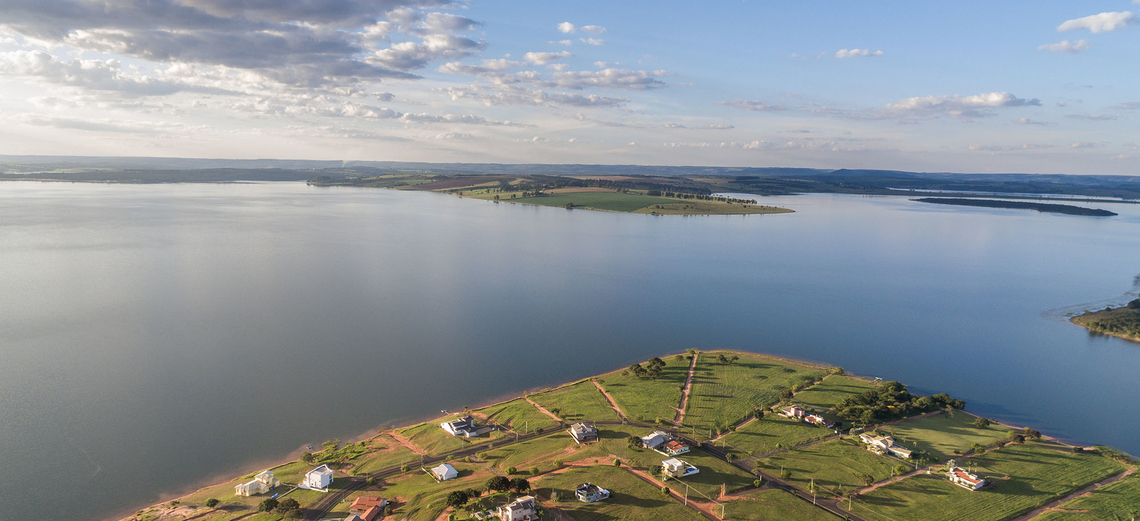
943	433
1118	501
432	439
576	402
610	201
632	498
832	464
771	505
517	414
726	393
1024	477
763	436
832	390
647	399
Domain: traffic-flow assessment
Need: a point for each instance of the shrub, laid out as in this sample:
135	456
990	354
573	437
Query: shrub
982	423
534	471
212	502
665	490
617	462
512	470
757	482
405	468
559	464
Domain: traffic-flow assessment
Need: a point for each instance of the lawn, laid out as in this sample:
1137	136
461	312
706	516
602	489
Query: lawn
647	399
943	434
518	415
763	436
576	402
420	498
832	390
834	465
632	498
1118	501
1024	477
433	439
726	393
387	452
532	453
544	452
611	201
714	472
774	505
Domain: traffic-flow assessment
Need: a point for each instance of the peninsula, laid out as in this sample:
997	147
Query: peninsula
1066	209
692	436
1122	322
648	195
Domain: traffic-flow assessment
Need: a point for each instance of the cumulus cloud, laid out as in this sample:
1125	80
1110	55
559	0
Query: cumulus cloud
592	41
1066	46
406	56
567	27
856	53
593	29
607	79
754	105
1027	121
977	105
543	58
514	95
1108	21
100	75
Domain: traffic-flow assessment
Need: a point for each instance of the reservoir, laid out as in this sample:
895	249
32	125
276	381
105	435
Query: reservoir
156	337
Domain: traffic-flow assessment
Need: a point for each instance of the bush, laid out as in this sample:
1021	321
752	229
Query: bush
534	471
665	490
212	502
757	482
982	423
559	464
294	514
288	504
539	430
617	462
405	468
267	505
512	470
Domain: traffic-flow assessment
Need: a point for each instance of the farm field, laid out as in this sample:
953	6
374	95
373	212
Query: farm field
1024	477
772	504
763	436
1118	501
647	399
944	433
516	414
576	402
832	390
834	465
726	393
632	498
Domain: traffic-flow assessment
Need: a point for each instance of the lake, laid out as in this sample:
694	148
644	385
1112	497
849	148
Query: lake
157	337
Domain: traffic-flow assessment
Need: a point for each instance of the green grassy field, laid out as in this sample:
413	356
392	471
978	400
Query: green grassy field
760	437
518	415
832	390
434	440
544	452
1024	477
419	497
774	505
832	464
709	208
714	473
647	399
632	498
387	452
1118	501
576	402
726	393
610	201
942	434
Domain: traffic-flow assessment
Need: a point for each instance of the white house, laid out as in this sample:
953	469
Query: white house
464	426
262	483
318	479
885	445
674	447
589	493
966	480
655	440
816	419
444	472
676	468
521	509
793	411
583	432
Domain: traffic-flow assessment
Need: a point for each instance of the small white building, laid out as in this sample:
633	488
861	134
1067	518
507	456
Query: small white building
655	440
966	480
674	448
885	445
521	509
444	472
464	426
262	483
583	432
676	468
318	479
793	411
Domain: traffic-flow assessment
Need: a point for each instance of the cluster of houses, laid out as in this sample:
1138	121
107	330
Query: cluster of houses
884	445
964	479
662	442
798	413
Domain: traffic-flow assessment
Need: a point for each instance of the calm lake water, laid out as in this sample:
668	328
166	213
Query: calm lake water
157	337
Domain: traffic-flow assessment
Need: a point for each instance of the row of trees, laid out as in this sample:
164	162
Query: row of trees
652	369
891	400
460	498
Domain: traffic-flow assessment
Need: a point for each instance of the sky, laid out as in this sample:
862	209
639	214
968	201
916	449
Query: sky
1016	86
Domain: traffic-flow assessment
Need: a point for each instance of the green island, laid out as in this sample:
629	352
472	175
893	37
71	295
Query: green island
1066	209
769	438
1122	322
647	195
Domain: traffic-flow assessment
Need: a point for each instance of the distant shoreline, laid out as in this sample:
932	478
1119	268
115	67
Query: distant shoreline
1121	322
1066	209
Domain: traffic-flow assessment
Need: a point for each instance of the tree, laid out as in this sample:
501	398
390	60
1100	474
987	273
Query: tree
212	502
634	442
665	490
786	474
370	482
498	484
267	505
900	469
981	423
457	499
722	359
534	471
294	514
288	504
308	458
1030	433
867	479
520	485
512	470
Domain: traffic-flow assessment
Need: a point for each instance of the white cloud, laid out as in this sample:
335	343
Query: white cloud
1027	121
1108	21
558	66
99	75
1066	46
958	106
1092	117
514	95
716	127
608	79
543	58
592	41
754	105
406	56
567	27
593	29
856	53
1084	144
453	135
564	42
